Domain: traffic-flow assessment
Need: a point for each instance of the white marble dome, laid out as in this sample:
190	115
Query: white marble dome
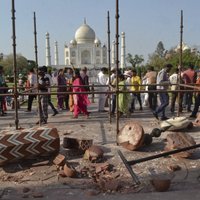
97	41
73	42
84	34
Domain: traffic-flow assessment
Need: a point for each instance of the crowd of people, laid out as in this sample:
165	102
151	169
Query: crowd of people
161	86
69	82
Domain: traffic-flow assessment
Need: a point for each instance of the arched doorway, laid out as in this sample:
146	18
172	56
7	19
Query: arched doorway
85	57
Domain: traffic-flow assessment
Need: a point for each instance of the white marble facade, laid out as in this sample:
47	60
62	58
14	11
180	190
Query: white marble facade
85	48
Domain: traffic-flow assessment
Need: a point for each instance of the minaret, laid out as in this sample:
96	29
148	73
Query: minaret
113	53
48	54
123	52
56	59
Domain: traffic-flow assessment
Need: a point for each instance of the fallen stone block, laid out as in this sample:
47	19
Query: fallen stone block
94	154
131	136
28	143
180	140
78	144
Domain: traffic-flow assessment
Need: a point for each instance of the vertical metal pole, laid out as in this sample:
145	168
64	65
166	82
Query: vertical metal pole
36	61
35	40
109	66
15	66
180	63
117	66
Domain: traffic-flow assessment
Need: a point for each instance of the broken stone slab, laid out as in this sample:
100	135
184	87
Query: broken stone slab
94	154
131	136
180	140
27	143
75	143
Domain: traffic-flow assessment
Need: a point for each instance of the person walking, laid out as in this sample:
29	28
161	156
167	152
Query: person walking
150	78
85	78
102	80
69	81
47	75
62	83
81	101
135	82
2	91
31	86
163	83
189	77
43	84
124	98
174	80
197	97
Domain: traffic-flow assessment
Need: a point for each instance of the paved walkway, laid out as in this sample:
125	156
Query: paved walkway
43	180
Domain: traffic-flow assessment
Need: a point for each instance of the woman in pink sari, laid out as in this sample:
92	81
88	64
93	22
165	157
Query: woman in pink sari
81	101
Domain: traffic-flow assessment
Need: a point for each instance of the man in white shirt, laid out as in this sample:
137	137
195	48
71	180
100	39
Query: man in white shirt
32	83
102	80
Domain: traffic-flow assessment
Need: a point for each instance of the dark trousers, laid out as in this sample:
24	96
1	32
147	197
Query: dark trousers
164	102
67	101
30	101
188	100
113	103
196	105
43	108
51	104
136	95
173	101
152	97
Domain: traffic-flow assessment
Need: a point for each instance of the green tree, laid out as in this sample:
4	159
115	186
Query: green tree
22	64
134	61
160	50
188	58
156	61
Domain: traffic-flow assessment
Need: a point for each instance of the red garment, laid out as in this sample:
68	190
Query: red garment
189	76
81	101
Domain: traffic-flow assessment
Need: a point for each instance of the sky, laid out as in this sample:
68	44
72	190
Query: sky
145	23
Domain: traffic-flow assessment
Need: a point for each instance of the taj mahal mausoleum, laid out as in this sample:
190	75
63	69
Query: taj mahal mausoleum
85	49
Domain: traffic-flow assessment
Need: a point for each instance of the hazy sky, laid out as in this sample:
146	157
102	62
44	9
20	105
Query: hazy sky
145	23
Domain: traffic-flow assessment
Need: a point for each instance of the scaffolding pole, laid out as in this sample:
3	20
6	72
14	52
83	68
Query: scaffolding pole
117	66
180	62
36	61
109	65
15	66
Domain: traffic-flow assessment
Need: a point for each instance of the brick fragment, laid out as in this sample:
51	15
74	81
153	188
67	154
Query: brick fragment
69	171
59	160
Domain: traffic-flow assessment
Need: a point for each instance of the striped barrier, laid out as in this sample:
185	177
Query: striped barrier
28	143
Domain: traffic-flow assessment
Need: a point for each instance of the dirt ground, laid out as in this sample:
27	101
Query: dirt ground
39	177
